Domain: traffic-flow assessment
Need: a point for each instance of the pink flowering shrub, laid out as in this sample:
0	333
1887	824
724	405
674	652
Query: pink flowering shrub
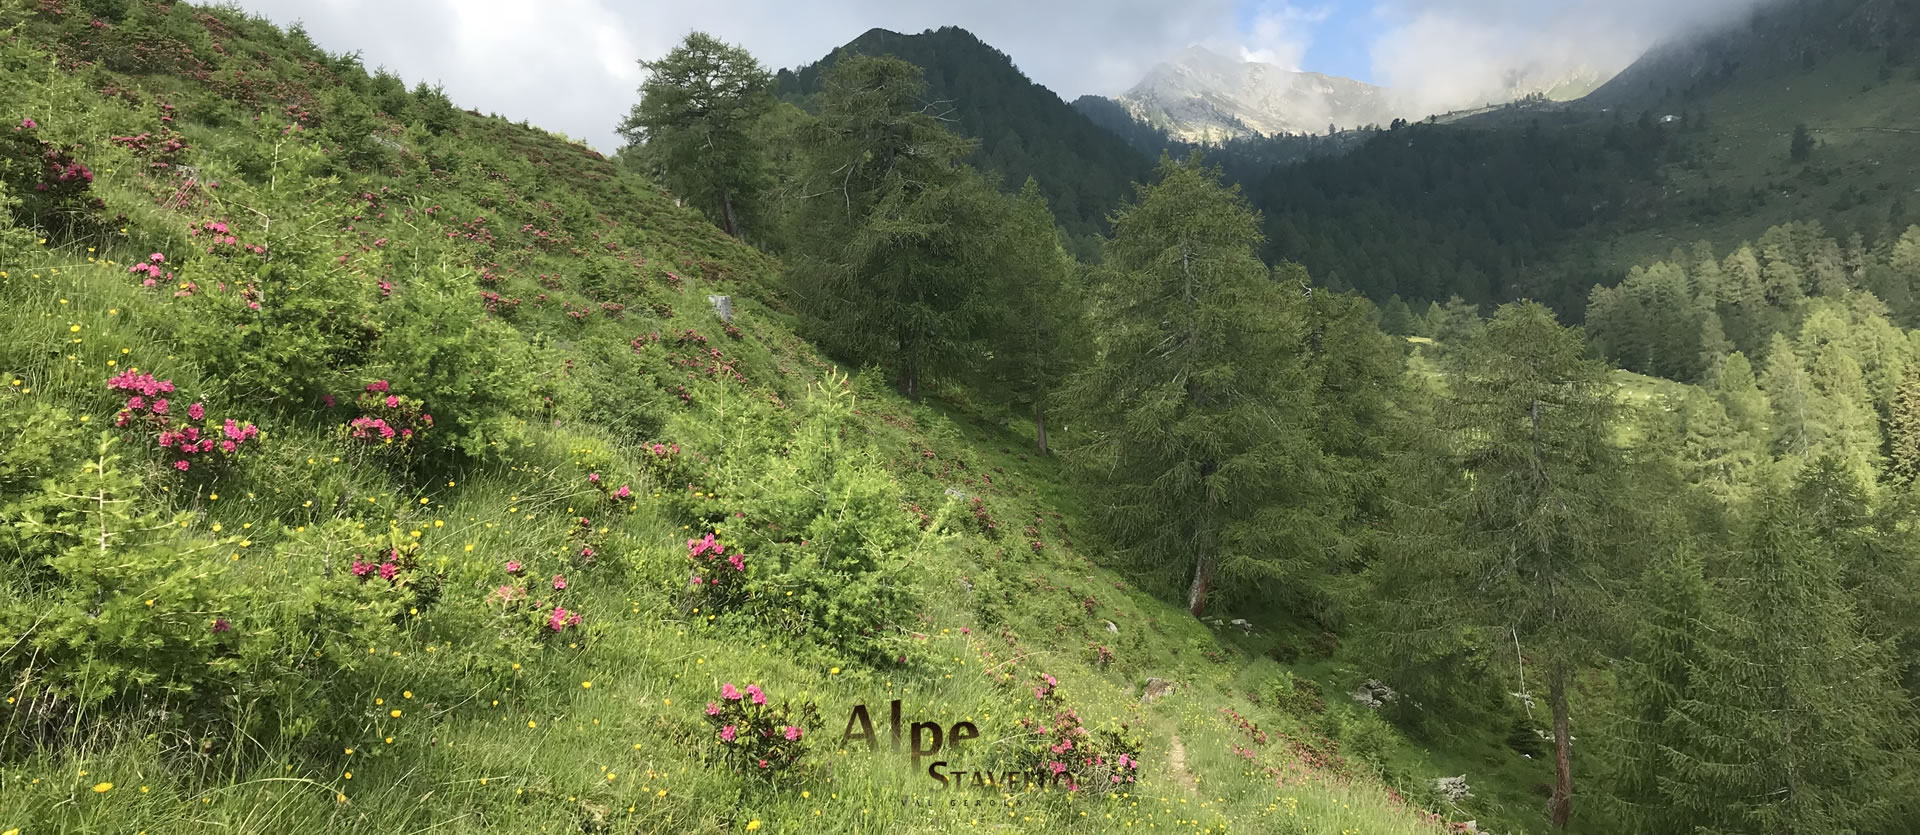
387	421
191	443
537	602
759	737
1071	755
55	187
719	579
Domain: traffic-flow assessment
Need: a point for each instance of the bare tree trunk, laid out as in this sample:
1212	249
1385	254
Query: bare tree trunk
1560	808
1202	581
1040	427
726	212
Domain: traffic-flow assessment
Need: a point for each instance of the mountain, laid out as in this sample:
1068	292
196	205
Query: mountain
1025	130
1769	46
1692	142
1204	96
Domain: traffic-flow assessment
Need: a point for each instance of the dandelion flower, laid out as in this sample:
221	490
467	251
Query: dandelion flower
102	788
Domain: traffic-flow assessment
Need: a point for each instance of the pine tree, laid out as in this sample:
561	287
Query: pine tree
1780	729
1802	146
1205	462
695	123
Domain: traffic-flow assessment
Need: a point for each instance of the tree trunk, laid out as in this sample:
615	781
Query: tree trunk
726	213
909	382
1202	581
1040	427
1560	808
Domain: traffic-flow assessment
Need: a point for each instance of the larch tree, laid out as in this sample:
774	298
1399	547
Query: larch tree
1203	461
1783	728
900	243
695	122
1039	335
1654	677
1533	422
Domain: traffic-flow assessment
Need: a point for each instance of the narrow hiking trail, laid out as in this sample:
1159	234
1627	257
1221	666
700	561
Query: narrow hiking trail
1177	757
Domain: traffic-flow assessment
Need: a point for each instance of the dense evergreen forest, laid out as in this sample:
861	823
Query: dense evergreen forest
371	465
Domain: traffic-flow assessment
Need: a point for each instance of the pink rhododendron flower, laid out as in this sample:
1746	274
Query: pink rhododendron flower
136	403
513	567
793	733
393	401
759	697
559	582
157	258
727	692
160	406
713	709
727	733
180	465
221	625
622	493
196	411
28	124
593	478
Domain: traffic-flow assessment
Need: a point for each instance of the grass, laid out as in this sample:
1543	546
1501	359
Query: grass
1865	129
458	727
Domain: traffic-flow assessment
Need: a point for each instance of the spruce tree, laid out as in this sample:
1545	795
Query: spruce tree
1204	461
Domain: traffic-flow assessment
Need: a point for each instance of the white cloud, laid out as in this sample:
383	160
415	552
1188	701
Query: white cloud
570	65
1445	54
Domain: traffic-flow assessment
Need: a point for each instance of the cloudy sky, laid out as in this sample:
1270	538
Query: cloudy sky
570	65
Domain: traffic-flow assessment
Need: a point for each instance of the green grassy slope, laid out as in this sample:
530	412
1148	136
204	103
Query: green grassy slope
553	313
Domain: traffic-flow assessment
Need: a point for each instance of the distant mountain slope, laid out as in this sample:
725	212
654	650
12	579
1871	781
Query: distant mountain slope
1693	142
1776	41
1203	96
1024	129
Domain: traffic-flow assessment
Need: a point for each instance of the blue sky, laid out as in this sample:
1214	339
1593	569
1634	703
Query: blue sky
1341	33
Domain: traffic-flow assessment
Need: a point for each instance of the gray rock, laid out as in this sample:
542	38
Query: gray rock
1454	789
1157	688
1112	628
1374	695
722	305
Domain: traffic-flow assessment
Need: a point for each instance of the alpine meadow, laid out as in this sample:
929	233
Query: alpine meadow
888	444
